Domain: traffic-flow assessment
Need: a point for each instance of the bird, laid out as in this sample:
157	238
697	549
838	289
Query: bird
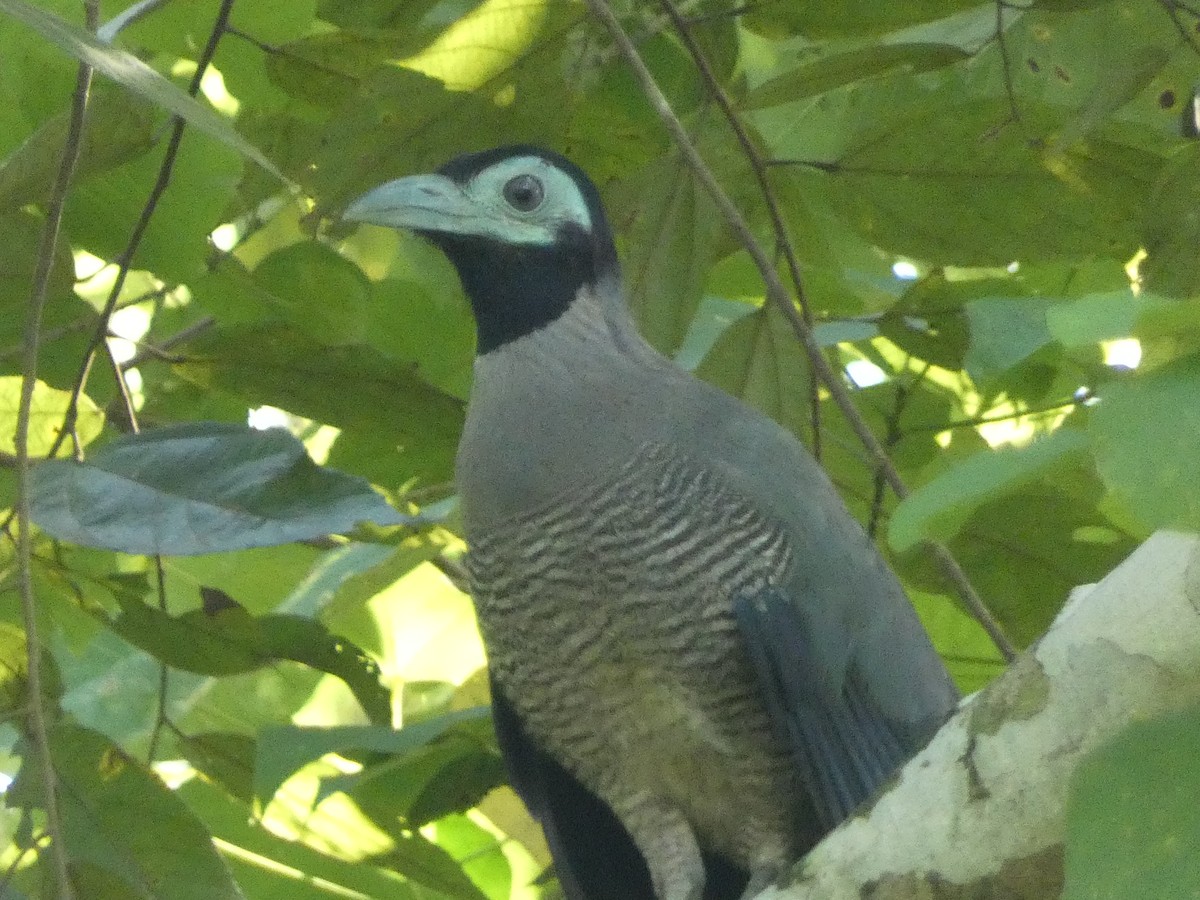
700	663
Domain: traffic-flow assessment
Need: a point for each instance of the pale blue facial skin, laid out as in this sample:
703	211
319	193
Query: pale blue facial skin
436	203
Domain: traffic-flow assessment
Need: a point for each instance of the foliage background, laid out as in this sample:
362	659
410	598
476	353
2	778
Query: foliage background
996	212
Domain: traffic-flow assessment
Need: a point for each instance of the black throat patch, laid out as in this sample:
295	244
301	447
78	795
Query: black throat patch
515	290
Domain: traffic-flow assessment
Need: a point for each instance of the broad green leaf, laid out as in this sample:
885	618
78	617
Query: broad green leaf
200	488
1143	433
1133	827
673	239
125	833
267	865
46	416
938	509
101	211
320	292
964	186
1004	331
283	751
224	639
130	71
837	69
120	127
1171	227
1024	565
1098	317
373	398
759	360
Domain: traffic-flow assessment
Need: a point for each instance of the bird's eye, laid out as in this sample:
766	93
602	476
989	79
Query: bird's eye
524	193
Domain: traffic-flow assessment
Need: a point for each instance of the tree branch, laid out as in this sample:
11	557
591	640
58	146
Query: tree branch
72	148
778	295
783	240
990	791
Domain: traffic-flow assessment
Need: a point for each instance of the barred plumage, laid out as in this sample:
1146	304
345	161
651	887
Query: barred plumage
555	589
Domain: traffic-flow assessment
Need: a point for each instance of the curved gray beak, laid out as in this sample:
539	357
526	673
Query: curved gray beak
417	202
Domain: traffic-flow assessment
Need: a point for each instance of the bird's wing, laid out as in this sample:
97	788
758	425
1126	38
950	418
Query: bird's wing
844	746
594	857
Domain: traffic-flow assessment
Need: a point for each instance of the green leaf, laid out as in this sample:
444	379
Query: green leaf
673	239
224	639
1004	331
837	69
1171	227
938	509
1143	434
852	18
283	751
204	179
130	71
319	291
962	185
224	757
125	833
14	673
268	866
200	488
759	360
381	400
1133	826
1093	318
46	416
119	128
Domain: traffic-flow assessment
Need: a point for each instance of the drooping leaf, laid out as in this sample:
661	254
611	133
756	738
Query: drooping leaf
200	488
282	751
224	639
838	69
130	71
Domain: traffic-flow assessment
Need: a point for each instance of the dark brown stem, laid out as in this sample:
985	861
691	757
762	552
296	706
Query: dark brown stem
778	295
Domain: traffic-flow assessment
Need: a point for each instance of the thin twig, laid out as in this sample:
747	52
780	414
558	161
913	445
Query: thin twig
33	326
160	350
164	675
783	240
778	295
1006	63
125	261
1172	9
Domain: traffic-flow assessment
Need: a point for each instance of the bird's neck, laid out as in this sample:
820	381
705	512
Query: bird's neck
567	399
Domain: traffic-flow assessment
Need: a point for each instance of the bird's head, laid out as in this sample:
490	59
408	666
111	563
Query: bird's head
524	227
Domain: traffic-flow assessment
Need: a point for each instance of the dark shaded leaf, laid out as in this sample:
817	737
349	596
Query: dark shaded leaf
282	751
231	641
200	488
